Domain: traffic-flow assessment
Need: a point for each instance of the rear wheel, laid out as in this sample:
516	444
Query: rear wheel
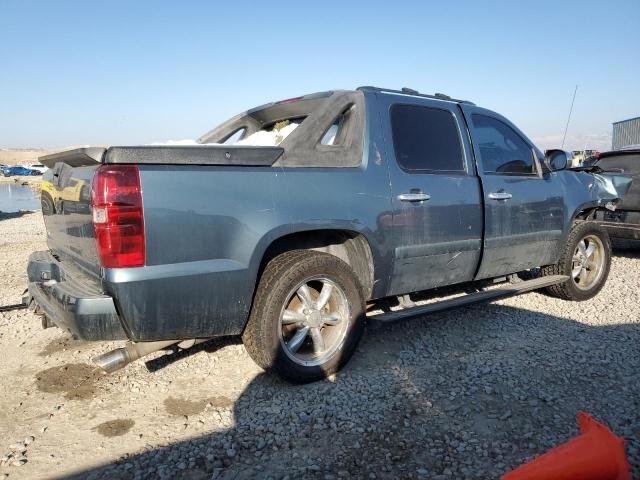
307	317
47	204
586	260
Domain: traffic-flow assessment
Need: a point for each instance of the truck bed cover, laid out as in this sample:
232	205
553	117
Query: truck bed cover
168	154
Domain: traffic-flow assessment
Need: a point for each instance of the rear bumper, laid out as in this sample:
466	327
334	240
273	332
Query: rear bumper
72	304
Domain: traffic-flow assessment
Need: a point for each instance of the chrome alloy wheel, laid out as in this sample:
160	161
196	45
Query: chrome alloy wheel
588	262
314	321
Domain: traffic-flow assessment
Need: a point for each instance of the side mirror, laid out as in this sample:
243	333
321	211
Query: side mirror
556	160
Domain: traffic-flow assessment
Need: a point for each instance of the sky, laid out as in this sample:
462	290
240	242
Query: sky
121	72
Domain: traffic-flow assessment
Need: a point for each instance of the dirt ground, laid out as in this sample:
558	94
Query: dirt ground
470	393
21	179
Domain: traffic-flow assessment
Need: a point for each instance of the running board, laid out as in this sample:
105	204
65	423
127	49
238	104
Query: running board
486	296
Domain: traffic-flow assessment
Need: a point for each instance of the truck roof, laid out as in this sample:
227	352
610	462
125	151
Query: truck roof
414	93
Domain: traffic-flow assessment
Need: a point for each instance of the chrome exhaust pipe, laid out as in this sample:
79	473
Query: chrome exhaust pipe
121	357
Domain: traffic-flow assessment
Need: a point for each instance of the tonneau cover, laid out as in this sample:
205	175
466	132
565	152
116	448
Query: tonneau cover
196	155
168	154
76	157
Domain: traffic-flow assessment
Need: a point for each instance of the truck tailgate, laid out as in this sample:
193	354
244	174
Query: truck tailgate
66	200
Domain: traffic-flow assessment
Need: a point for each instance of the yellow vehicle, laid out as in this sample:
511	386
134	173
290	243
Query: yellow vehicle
69	198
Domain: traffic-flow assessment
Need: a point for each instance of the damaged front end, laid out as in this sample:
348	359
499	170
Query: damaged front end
608	189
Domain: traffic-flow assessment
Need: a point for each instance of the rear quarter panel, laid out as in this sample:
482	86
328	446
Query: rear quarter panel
207	228
202	225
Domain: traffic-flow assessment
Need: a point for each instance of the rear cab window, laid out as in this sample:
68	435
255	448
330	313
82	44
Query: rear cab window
426	139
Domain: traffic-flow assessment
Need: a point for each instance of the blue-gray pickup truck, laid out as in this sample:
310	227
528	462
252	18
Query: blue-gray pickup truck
286	223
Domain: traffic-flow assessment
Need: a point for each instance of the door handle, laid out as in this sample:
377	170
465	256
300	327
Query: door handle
500	196
413	197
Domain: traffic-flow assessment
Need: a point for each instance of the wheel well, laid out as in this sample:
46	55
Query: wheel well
586	214
350	247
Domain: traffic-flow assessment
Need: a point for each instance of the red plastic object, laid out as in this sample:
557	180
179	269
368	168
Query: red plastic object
597	454
118	222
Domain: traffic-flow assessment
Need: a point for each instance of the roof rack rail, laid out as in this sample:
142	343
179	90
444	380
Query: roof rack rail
411	91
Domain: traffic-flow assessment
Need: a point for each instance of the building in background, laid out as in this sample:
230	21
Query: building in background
626	134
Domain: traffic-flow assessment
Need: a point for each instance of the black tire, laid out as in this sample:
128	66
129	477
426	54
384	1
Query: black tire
264	335
571	289
48	207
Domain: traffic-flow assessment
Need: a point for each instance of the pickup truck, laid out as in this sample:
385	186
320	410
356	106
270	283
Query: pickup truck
286	222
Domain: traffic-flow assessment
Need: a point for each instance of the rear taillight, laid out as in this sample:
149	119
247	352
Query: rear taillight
118	223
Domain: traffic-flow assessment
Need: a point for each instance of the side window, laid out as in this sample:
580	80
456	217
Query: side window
426	139
502	150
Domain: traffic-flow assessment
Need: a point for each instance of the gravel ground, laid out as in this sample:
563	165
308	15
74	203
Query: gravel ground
470	393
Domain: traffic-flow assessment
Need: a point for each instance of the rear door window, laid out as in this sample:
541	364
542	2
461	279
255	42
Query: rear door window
426	139
502	150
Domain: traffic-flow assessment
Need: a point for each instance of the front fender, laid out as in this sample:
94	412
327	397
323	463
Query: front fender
611	186
604	190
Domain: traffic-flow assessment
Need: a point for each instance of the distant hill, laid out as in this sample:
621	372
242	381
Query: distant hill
21	156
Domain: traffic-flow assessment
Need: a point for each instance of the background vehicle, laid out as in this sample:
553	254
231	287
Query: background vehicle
76	193
37	167
583	157
359	196
624	221
9	171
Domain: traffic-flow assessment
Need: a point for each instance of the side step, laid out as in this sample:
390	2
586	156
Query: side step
487	296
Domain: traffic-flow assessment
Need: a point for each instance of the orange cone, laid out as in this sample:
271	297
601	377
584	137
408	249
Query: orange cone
597	454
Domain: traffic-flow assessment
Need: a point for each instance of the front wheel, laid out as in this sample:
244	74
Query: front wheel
307	317
586	260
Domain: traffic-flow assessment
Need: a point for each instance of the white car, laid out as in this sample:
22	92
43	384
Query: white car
38	167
